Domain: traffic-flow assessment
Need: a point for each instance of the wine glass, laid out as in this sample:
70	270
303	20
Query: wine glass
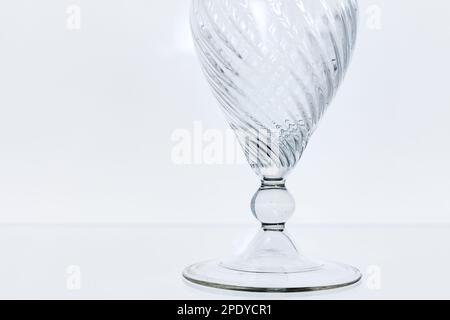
274	67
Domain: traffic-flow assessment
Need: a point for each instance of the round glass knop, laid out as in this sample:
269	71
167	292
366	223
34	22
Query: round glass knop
273	205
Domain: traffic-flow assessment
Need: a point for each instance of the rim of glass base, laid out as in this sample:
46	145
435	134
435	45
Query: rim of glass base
353	276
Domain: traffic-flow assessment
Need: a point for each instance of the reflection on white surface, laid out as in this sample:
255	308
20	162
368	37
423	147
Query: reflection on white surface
182	34
179	38
146	262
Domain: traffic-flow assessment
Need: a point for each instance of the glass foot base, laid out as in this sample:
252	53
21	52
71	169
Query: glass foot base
272	263
325	276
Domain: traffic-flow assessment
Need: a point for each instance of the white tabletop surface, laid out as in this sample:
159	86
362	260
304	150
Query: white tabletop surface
145	262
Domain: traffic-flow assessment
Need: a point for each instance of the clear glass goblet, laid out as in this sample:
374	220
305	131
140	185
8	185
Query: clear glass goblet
274	67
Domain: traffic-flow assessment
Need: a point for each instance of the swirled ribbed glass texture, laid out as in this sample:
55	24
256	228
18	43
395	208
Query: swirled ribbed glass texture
274	66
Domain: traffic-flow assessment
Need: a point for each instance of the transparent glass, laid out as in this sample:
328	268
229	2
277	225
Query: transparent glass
274	67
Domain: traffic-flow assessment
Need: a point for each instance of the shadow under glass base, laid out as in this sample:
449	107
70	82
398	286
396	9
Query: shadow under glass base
272	263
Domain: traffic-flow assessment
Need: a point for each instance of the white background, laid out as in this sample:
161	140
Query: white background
87	116
86	124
